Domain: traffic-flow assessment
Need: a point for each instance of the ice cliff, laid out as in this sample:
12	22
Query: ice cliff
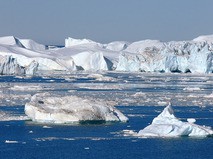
49	108
189	56
9	66
167	125
195	56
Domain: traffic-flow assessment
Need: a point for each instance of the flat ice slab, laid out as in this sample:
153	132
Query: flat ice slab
49	108
167	125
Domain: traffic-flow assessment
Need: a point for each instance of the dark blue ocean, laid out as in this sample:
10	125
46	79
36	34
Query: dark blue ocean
139	96
104	140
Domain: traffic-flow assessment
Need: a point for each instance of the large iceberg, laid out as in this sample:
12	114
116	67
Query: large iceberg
49	108
167	125
11	46
195	56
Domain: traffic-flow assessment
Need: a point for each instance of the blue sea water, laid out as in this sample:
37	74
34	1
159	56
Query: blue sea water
26	139
104	140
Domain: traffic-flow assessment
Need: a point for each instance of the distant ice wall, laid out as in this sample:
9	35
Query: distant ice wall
195	56
172	57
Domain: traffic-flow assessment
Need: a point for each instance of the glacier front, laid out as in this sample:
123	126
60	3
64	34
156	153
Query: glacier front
167	125
49	108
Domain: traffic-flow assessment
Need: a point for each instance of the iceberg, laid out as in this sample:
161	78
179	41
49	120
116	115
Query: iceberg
167	125
49	108
195	56
70	42
190	56
10	66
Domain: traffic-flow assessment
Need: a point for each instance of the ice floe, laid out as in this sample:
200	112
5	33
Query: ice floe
49	108
4	116
167	125
11	142
26	88
100	77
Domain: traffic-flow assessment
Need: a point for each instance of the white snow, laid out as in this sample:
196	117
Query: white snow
69	42
167	125
204	38
10	40
144	45
32	45
47	108
117	45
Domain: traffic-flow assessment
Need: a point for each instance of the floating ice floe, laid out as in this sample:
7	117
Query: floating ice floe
192	89
167	125
47	108
138	94
209	95
100	77
11	142
26	88
9	117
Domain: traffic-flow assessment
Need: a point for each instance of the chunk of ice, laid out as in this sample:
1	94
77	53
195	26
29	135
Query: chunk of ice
167	125
47	108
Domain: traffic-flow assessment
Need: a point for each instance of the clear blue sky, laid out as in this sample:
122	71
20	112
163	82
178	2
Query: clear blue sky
51	21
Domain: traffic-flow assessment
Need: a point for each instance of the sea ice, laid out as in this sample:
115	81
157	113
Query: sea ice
9	117
11	142
167	125
26	88
47	108
100	77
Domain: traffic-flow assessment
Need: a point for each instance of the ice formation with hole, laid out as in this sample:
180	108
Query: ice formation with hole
47	108
167	125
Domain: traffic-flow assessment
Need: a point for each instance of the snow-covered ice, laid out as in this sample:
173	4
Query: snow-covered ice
195	56
47	108
167	125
